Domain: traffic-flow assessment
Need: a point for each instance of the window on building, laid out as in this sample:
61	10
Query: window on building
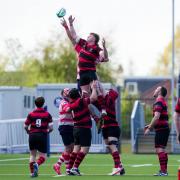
132	87
33	104
25	101
28	101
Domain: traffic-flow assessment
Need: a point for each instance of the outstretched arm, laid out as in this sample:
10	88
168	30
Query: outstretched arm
67	29
72	30
97	90
104	55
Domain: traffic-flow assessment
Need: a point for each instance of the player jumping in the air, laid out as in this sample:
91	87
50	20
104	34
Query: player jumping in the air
88	52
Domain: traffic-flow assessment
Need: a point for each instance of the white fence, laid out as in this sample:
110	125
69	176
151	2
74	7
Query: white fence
15	140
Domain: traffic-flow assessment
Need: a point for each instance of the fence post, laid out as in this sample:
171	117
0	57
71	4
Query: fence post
118	114
48	137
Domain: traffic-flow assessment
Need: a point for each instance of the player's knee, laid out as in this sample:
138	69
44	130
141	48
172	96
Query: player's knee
68	149
113	142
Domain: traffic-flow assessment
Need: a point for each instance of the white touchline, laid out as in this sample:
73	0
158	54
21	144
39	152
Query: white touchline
17	159
20	159
141	165
171	175
87	165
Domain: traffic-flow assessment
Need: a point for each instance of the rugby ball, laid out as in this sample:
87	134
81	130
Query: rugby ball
61	13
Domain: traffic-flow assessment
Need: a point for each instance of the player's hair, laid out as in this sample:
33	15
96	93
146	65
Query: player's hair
163	91
96	37
65	92
39	101
74	93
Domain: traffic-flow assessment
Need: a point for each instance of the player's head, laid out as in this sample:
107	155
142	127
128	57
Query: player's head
160	91
39	101
163	91
65	92
93	38
74	93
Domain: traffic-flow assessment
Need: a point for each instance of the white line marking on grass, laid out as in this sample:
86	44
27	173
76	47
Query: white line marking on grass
14	164
21	159
18	174
17	159
148	175
141	165
91	165
59	175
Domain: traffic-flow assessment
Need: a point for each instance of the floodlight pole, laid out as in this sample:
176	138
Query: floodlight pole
173	57
172	76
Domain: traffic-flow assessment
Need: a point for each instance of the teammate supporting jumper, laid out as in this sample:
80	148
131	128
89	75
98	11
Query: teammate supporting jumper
89	54
82	129
66	131
38	124
110	127
160	124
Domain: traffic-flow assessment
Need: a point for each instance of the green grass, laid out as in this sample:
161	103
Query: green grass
95	166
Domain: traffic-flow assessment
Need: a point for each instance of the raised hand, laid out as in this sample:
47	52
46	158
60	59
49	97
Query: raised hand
71	19
103	42
64	23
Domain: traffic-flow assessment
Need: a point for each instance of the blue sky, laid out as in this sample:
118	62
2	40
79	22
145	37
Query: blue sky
138	29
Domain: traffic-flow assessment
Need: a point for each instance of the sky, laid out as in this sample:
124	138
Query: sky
139	30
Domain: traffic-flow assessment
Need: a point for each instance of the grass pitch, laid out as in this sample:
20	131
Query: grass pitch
95	166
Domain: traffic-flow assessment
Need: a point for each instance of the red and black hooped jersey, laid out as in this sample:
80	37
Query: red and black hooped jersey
161	106
109	104
38	120
87	55
80	112
177	108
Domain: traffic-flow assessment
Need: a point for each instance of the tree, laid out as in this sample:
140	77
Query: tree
3	62
15	53
164	62
56	64
53	61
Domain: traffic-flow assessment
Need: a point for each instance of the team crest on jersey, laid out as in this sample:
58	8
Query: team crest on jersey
57	101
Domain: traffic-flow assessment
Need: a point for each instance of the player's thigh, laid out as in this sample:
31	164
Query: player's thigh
86	77
161	138
38	141
76	134
111	132
66	133
85	137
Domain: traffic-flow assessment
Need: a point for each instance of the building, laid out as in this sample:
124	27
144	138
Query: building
16	101
144	85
